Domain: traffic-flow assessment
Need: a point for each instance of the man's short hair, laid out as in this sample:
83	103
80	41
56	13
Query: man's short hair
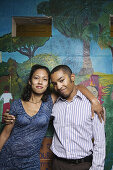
64	68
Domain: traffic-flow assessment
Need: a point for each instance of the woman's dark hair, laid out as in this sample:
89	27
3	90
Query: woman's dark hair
28	90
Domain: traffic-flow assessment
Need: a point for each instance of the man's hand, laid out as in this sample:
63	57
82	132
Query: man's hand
8	118
97	107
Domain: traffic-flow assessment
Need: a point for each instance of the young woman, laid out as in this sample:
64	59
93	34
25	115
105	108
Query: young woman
20	141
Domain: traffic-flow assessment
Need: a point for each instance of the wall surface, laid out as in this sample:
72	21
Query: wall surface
80	39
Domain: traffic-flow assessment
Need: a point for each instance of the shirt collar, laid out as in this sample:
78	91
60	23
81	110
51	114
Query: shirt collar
78	95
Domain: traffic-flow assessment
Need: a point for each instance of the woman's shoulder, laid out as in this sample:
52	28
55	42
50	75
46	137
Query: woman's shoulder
49	99
15	105
16	102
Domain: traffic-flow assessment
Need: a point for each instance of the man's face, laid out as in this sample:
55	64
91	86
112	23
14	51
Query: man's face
62	83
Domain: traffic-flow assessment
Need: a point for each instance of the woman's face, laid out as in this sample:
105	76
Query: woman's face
39	81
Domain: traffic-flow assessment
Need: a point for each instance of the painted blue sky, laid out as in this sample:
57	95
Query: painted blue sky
58	45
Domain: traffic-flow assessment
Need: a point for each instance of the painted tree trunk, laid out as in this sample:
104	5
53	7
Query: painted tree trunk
87	64
28	51
111	50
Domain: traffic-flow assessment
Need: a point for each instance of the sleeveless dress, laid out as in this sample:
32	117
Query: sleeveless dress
22	149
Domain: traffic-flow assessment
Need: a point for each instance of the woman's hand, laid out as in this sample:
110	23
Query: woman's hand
8	118
97	107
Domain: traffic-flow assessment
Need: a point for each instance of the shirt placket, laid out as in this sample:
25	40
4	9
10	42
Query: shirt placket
66	120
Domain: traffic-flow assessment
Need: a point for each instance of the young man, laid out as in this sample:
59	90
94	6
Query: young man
74	127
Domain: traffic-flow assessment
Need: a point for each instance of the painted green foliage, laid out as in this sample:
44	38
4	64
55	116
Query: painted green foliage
24	45
9	77
108	104
105	40
44	59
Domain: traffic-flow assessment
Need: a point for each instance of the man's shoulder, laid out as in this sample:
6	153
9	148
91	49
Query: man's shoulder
82	96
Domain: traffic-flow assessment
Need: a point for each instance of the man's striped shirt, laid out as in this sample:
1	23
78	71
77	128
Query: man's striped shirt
75	129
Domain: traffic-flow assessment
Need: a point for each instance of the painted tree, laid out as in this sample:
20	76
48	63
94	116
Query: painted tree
104	39
75	19
44	59
24	45
9	76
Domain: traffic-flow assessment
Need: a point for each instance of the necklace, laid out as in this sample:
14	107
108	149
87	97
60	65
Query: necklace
34	102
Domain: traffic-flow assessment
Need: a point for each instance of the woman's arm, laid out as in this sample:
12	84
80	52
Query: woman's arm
5	134
96	106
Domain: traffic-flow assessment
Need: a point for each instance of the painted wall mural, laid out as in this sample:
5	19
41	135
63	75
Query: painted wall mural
80	38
